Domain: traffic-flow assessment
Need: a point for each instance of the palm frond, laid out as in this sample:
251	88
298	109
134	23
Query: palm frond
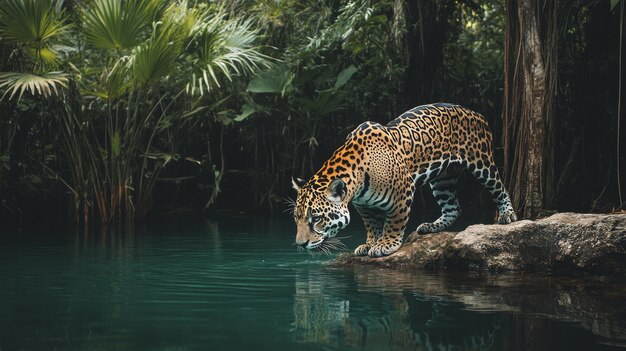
180	17
45	84
48	57
222	49
116	81
117	24
31	20
155	59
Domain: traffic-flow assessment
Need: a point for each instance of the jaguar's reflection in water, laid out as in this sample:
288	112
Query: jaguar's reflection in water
375	309
323	312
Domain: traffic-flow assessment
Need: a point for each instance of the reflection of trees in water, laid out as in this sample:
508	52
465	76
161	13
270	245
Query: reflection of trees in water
115	239
410	321
449	325
531	301
366	308
318	315
123	265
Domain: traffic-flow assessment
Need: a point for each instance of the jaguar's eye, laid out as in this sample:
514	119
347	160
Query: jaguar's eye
315	219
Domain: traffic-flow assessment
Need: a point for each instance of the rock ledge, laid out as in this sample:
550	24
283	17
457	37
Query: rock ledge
565	243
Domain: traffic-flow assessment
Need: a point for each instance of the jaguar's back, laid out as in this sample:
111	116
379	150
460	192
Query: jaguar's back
440	132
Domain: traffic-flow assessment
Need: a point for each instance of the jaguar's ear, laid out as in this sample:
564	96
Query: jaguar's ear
336	190
297	183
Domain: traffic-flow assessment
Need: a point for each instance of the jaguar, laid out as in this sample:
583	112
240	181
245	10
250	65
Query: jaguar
379	168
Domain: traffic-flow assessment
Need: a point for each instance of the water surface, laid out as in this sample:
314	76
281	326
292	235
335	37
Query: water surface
238	284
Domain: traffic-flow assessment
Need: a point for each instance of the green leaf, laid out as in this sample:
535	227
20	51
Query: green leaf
614	4
155	58
32	179
116	82
344	76
47	56
117	24
275	81
246	111
222	49
115	144
224	117
45	84
35	21
167	158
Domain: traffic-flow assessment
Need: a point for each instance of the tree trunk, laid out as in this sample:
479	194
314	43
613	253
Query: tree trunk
531	42
427	28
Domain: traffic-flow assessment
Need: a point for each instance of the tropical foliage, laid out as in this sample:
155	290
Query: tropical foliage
36	27
135	66
123	107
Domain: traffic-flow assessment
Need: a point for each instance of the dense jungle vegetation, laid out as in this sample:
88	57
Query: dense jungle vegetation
116	109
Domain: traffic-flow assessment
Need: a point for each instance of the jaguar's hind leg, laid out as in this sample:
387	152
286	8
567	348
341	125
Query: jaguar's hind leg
487	174
444	191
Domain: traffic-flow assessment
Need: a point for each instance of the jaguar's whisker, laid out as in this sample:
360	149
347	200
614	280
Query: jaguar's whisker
291	204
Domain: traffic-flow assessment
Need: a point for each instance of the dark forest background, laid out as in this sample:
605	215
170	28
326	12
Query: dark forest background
115	110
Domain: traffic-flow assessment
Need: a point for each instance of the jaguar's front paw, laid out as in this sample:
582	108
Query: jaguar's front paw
362	250
384	249
507	216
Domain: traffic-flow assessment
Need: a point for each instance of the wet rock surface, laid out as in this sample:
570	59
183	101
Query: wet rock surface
565	243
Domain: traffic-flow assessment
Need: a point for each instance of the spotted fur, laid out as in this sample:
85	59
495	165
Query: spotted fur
379	167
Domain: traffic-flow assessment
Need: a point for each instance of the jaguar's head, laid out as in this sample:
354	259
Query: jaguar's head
320	212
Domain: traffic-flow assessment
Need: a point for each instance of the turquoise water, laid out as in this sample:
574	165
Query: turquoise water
239	284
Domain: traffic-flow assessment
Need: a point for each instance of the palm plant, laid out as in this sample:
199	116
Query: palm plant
134	64
35	25
152	61
31	31
219	49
